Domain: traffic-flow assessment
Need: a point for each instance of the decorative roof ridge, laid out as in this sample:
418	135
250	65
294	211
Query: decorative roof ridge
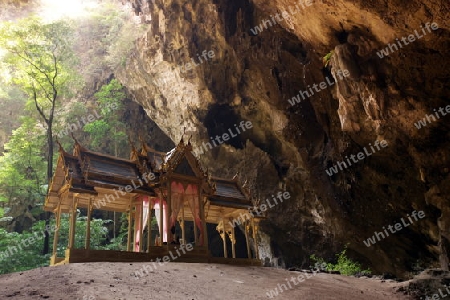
67	169
174	155
189	149
61	148
64	154
108	156
77	146
133	152
154	151
150	149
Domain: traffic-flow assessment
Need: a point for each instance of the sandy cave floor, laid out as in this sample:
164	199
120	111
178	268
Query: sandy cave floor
114	281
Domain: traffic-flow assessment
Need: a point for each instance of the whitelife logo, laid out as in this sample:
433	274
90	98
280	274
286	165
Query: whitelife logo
108	198
436	296
334	169
243	125
323	85
205	54
284	16
295	280
391	48
169	77
371	241
84	121
31	240
148	268
258	210
423	122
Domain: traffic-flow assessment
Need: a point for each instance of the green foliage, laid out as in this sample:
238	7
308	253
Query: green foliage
28	254
39	56
23	166
154	224
98	130
37	73
320	261
124	223
110	98
76	110
99	234
108	133
344	264
327	58
119	243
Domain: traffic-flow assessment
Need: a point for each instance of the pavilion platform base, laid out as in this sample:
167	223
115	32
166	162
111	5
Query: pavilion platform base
196	255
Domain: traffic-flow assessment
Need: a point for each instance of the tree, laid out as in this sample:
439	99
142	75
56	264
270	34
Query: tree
110	99
23	165
39	56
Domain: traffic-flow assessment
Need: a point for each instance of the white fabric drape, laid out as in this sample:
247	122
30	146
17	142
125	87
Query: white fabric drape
141	224
157	207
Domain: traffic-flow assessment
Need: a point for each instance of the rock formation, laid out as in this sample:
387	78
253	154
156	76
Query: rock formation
253	75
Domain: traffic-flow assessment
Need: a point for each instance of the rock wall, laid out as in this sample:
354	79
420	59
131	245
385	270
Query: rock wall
253	76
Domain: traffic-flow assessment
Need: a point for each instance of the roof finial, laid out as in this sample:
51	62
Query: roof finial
77	146
61	149
73	137
133	153
143	144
